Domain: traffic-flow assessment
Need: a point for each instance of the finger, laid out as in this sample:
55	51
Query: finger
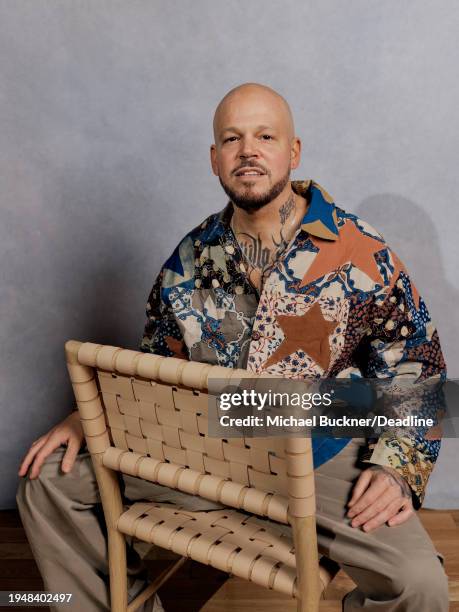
70	455
383	516
377	506
360	486
375	490
36	445
402	516
47	449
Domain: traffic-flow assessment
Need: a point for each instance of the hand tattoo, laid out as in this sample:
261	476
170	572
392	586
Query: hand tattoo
395	479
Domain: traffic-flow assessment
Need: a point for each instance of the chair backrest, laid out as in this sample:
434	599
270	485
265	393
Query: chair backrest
146	415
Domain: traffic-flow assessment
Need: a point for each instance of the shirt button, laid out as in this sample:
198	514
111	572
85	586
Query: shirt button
256	335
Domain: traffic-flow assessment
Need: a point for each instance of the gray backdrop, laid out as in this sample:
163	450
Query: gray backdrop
105	115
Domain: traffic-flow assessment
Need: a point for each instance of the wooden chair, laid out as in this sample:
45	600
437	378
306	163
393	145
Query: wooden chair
146	416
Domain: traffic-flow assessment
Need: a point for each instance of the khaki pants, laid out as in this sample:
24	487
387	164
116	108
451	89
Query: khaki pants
396	568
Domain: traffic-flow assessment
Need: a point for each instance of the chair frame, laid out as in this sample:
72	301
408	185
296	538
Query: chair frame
84	360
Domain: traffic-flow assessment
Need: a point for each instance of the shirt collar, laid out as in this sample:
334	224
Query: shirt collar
319	220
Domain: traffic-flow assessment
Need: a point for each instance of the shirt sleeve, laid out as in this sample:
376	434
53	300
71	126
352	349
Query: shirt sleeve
402	342
162	335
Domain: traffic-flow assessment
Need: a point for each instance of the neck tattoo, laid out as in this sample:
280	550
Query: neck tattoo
260	254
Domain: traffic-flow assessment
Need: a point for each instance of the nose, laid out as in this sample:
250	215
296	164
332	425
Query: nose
248	148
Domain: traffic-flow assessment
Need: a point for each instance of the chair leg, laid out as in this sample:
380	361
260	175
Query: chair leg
307	605
113	507
307	563
118	570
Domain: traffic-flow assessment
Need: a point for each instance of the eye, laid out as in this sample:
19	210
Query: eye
230	139
266	137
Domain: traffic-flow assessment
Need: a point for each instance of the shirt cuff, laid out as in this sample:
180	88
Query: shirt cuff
410	463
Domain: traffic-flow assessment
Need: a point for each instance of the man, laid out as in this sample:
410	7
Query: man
281	281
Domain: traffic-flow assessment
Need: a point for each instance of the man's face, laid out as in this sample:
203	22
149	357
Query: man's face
254	149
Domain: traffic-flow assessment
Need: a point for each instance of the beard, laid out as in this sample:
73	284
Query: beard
249	201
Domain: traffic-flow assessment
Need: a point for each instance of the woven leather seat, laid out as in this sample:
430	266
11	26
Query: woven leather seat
147	416
226	539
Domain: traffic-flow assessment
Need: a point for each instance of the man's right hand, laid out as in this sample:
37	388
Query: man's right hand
69	432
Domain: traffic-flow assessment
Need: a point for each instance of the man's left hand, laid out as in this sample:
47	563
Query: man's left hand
380	496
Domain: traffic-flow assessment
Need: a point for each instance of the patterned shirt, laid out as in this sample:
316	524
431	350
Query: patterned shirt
337	302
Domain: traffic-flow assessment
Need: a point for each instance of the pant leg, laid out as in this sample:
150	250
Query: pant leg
63	520
396	569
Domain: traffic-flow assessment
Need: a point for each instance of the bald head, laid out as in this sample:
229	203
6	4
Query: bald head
251	99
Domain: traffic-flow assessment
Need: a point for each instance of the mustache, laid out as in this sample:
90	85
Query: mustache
250	164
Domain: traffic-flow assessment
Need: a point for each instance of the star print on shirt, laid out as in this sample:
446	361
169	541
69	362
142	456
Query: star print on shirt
176	346
308	333
351	247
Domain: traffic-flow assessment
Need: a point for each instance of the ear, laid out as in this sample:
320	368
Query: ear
295	153
213	159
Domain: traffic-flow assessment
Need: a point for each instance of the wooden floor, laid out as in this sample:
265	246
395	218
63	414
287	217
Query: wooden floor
206	589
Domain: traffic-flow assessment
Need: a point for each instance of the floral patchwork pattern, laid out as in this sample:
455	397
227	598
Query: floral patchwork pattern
337	303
